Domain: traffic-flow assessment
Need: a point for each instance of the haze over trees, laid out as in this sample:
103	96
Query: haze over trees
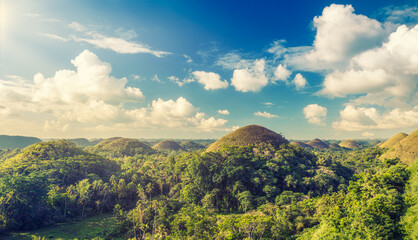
250	184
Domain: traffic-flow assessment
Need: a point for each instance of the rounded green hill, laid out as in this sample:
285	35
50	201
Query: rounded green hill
249	135
350	144
62	161
317	143
393	140
167	145
120	147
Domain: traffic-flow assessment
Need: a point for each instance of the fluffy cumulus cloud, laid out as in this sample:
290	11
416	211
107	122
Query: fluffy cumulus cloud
265	114
340	35
386	75
210	80
282	73
81	98
360	118
223	112
178	114
250	79
299	81
315	114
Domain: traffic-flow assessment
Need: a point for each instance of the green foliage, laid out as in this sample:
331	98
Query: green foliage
410	219
371	209
260	191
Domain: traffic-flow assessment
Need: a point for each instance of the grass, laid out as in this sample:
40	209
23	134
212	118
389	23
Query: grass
89	228
248	135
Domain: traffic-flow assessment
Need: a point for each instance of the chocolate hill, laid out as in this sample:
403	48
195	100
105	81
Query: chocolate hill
317	143
249	135
406	149
393	140
167	145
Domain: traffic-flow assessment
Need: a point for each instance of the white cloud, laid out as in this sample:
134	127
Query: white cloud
367	134
90	99
282	73
232	61
179	82
250	79
387	74
155	78
223	112
87	92
299	81
77	26
315	114
339	84
361	118
277	48
118	45
53	36
188	58
175	114
265	114
268	104
55	126
210	80
340	35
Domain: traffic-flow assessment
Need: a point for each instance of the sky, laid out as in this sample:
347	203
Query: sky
200	69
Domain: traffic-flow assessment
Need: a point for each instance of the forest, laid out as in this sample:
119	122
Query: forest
262	188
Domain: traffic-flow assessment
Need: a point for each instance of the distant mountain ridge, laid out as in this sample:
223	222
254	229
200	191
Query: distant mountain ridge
7	141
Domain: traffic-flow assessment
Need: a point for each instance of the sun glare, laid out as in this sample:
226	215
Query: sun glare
4	17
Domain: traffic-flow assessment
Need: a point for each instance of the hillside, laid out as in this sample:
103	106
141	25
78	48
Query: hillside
249	135
406	149
393	140
317	143
82	142
120	147
16	141
335	146
168	145
350	144
301	144
190	145
62	161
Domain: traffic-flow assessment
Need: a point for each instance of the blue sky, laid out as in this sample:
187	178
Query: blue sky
199	69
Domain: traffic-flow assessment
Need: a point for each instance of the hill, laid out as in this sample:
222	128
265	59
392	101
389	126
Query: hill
393	140
63	162
167	145
301	144
249	135
317	143
350	144
7	142
121	147
406	150
335	146
190	145
82	142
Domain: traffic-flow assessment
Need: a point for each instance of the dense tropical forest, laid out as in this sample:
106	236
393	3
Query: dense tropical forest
250	184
